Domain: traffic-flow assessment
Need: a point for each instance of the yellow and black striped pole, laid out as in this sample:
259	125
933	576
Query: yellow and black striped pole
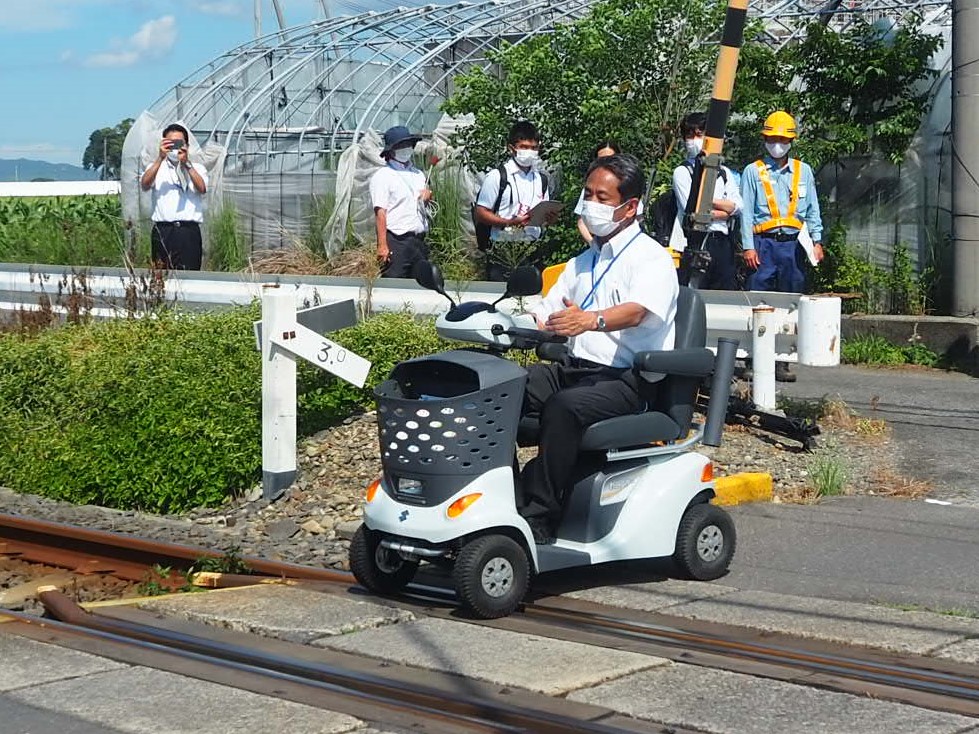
698	214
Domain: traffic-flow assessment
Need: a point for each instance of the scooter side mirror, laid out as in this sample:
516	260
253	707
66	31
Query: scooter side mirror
428	275
524	281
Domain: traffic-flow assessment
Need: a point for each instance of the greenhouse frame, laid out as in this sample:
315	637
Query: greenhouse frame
295	117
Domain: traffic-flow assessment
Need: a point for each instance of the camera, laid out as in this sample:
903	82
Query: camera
176	144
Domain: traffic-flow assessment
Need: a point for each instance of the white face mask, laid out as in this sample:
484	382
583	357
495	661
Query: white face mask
526	158
599	218
402	155
694	146
778	150
173	157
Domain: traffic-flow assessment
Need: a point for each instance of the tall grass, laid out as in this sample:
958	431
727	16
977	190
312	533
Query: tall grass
451	246
58	230
227	249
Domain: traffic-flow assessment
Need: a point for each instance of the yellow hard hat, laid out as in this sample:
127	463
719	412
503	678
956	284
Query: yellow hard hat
779	124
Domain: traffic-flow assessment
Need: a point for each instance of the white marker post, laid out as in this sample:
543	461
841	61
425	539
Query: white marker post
763	357
282	338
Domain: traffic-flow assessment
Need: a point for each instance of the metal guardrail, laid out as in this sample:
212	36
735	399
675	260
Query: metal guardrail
113	292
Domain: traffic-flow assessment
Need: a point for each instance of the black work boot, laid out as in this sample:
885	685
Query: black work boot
783	373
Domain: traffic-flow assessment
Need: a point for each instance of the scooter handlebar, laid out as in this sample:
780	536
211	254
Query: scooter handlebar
538	336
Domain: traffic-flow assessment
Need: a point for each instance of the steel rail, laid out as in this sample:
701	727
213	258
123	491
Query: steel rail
429	702
57	544
950	685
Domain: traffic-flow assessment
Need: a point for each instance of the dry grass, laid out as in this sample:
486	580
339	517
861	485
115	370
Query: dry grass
798	495
888	483
288	261
353	262
873	427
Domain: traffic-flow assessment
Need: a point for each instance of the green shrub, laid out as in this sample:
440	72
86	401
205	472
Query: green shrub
874	349
163	413
385	340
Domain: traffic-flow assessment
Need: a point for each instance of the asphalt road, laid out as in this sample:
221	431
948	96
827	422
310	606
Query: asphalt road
864	549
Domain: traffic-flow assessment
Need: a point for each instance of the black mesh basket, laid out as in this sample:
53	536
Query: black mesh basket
426	432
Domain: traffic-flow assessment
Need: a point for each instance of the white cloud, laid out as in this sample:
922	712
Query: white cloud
154	40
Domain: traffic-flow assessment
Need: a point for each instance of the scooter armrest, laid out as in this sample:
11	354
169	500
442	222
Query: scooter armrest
552	351
680	362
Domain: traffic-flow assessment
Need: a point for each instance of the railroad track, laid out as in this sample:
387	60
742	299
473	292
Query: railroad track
274	670
928	682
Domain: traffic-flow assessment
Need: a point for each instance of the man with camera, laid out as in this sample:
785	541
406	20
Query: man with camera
178	208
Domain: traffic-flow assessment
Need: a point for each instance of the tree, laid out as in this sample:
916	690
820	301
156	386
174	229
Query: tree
629	70
104	151
860	91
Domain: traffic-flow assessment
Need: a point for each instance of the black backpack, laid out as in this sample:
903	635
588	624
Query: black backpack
664	211
483	231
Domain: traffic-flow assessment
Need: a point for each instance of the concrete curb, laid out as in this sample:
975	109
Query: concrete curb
738	489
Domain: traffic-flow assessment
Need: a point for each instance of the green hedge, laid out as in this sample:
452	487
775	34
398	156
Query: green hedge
162	414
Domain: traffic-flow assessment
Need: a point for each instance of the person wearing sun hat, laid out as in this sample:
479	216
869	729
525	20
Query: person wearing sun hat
399	192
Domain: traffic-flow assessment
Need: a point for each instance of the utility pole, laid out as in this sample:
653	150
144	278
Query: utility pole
965	157
105	155
258	18
279	16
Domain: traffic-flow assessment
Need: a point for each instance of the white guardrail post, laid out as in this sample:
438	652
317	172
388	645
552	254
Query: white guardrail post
763	357
283	337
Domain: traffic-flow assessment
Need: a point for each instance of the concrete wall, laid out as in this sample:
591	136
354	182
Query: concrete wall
953	337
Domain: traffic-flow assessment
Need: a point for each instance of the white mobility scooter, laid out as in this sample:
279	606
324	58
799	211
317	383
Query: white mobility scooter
449	425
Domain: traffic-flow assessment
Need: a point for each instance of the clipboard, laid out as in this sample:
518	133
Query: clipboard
540	213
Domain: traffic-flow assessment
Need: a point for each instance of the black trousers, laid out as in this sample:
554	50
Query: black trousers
406	250
568	398
177	245
722	272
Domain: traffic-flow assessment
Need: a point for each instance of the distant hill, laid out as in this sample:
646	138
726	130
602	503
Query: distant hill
22	169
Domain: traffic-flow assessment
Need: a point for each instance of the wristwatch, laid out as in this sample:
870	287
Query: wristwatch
600	322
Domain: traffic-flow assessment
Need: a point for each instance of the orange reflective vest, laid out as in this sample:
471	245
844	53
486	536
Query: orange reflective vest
777	220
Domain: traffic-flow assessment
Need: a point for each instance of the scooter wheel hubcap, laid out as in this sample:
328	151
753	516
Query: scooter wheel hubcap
710	543
387	560
497	577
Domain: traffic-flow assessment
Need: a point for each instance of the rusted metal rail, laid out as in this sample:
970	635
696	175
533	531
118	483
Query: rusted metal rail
124	556
467	711
920	681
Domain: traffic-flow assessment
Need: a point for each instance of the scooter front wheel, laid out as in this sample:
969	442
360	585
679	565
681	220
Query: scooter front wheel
491	576
377	568
705	542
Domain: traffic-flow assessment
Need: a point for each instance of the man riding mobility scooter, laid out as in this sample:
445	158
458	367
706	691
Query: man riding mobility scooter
449	426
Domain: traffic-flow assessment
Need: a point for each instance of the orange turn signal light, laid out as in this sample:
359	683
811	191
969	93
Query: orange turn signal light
462	504
707	475
372	489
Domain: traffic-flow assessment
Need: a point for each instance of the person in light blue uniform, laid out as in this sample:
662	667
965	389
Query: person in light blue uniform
781	224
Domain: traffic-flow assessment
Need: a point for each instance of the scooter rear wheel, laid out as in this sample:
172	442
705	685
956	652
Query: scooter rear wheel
491	576
705	542
377	568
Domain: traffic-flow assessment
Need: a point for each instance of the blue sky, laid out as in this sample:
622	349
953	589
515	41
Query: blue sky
68	67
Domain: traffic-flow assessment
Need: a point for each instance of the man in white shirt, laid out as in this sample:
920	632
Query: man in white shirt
615	299
178	202
399	192
505	209
722	272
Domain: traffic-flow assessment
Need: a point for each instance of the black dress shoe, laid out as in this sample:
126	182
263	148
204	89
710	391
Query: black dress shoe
541	531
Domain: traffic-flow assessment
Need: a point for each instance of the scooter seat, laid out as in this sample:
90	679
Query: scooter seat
613	433
630	430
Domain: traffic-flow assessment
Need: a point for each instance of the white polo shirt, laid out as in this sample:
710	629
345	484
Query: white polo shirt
629	268
524	191
725	188
396	189
171	201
